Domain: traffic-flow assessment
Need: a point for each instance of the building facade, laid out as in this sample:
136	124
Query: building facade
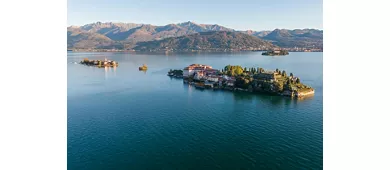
191	69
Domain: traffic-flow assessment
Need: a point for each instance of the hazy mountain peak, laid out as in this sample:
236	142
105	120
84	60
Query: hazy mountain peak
188	23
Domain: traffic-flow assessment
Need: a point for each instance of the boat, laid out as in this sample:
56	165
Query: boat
144	67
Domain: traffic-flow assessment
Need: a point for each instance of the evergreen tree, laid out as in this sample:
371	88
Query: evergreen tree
291	74
277	70
230	73
284	74
298	81
245	69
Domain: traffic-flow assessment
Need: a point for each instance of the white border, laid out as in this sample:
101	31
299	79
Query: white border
33	85
356	114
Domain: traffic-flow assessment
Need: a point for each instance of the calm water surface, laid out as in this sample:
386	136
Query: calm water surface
122	118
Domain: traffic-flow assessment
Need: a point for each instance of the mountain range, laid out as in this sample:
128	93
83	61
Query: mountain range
129	35
207	41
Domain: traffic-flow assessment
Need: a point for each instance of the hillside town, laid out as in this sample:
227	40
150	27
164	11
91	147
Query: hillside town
236	78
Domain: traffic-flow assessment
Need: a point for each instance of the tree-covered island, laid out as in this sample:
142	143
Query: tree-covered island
236	78
99	63
275	52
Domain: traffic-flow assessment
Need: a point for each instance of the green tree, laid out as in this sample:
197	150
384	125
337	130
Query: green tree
284	74
228	68
298	81
230	73
290	87
245	69
238	71
277	70
291	74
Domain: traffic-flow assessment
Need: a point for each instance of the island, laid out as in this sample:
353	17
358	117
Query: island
236	78
275	52
99	63
176	73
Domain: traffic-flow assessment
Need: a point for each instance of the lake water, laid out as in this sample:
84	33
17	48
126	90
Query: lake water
123	118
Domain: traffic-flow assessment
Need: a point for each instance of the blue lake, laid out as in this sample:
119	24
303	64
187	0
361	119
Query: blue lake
123	118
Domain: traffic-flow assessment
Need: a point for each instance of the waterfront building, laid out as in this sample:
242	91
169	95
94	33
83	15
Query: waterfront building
269	75
213	78
191	69
198	75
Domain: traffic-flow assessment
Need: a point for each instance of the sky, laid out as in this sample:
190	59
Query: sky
255	15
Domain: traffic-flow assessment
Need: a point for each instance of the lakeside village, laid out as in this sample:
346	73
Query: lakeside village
99	63
236	78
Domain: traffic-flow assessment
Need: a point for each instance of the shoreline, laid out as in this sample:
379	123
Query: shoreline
299	95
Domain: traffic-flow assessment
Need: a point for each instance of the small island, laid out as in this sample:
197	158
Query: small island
236	78
143	68
99	63
176	73
275	52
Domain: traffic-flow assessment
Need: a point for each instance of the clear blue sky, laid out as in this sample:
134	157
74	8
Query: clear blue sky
237	14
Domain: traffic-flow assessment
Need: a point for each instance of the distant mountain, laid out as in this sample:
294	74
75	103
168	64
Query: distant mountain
79	38
206	41
109	27
147	32
127	35
202	27
296	38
